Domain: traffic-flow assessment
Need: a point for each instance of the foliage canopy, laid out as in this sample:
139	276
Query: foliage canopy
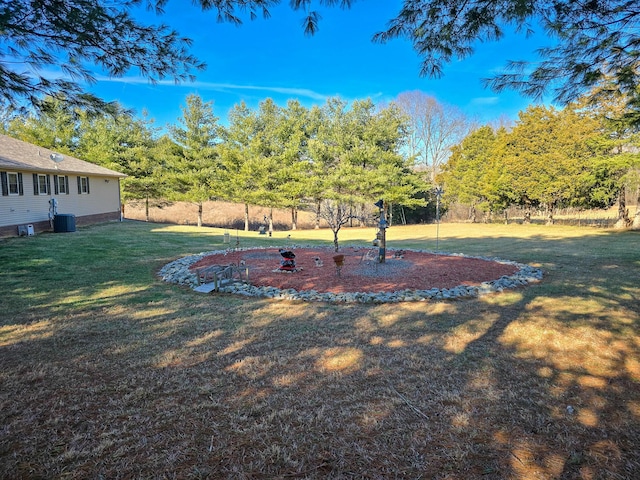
595	40
550	159
48	46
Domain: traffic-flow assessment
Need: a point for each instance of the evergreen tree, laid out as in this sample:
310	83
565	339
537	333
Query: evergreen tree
294	132
615	168
194	175
594	40
71	36
466	173
547	152
355	154
125	144
53	125
266	163
236	153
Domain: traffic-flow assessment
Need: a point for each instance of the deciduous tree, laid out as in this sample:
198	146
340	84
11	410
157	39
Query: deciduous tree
337	214
433	129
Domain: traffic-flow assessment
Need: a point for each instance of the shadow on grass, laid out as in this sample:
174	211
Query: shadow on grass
118	375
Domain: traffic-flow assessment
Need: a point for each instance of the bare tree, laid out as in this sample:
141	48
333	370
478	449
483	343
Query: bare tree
502	122
435	128
336	214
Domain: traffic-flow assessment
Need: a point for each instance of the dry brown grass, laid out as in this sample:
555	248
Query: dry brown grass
217	214
113	376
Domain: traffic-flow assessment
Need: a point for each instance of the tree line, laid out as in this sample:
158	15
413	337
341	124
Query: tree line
595	43
583	156
337	159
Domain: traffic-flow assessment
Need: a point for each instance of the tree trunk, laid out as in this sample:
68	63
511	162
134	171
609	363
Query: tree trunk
146	208
246	217
294	218
270	221
335	239
199	214
318	205
473	215
623	212
636	217
550	215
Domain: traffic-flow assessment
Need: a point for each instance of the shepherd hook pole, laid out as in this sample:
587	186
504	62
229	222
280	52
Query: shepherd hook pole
439	192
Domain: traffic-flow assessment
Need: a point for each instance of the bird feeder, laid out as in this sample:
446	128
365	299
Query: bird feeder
381	236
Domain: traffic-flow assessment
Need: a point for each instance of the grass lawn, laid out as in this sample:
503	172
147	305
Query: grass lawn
106	372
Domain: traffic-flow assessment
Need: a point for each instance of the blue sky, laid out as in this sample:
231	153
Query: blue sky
274	59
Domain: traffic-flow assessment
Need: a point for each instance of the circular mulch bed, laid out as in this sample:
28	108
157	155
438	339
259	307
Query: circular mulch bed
402	270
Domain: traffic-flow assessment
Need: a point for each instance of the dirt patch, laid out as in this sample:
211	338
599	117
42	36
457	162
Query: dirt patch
316	270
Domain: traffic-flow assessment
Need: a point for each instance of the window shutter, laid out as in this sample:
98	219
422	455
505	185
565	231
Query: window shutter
49	184
79	186
5	184
88	185
20	188
55	184
66	184
36	190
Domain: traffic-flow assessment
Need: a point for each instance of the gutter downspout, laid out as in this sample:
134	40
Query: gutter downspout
120	201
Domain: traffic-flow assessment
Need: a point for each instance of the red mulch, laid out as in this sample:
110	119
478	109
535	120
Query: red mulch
420	271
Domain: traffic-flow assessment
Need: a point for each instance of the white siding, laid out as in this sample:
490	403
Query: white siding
104	197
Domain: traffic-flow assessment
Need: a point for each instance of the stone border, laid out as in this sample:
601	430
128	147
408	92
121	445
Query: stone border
178	272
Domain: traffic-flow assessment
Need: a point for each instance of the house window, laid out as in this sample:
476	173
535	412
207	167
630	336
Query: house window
83	185
41	184
11	183
61	183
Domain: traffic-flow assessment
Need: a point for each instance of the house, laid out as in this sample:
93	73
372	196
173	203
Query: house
40	185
